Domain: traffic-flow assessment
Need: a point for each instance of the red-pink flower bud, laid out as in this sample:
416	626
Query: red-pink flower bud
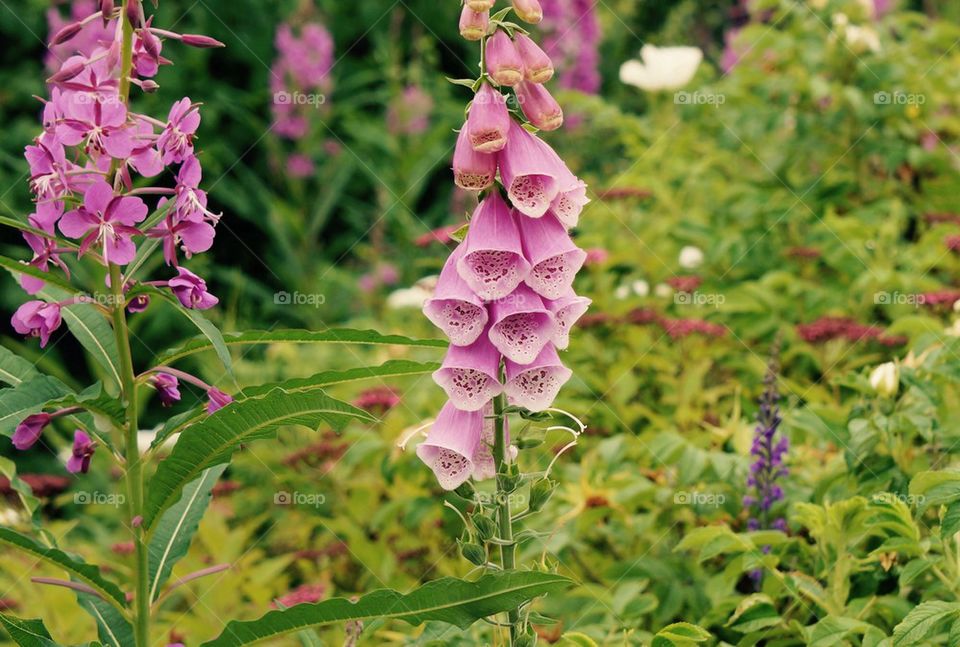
473	24
198	40
539	106
69	70
528	10
504	64
489	121
472	171
106	11
135	13
66	33
537	66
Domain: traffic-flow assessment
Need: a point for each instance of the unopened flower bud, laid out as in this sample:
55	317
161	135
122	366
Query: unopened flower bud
66	33
68	71
541	108
474	24
135	12
198	40
528	10
149	85
537	66
885	379
504	64
484	525
540	493
474	553
106	11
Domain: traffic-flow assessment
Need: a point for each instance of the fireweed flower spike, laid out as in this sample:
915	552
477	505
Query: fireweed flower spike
492	263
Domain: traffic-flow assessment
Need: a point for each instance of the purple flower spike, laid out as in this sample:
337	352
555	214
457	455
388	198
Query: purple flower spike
191	290
168	388
29	431
541	108
37	319
566	311
454	308
535	385
451	445
537	66
218	399
553	257
522	325
470	374
529	170
83	448
504	64
472	171
492	263
489	121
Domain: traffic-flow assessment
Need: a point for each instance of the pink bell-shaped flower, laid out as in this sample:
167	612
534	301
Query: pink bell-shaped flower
454	308
554	258
535	385
470	374
566	311
537	66
522	325
541	108
529	172
528	10
451	445
489	121
472	171
474	24
492	263
504	64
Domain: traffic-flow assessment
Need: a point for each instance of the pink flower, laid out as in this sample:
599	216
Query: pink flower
83	448
537	66
191	290
539	106
596	256
504	64
489	121
453	445
106	219
37	319
100	123
522	325
29	431
454	308
474	24
530	171
48	167
168	388
217	399
176	140
191	202
380	399
193	236
305	594
45	250
554	258
528	10
470	375
535	385
472	171
493	263
300	166
566	311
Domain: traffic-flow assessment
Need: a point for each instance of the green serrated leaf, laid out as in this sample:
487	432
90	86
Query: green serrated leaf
450	600
213	440
86	573
923	621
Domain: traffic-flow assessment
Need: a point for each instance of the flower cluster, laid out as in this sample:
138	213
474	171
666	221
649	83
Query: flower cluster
572	39
829	328
505	297
92	173
300	72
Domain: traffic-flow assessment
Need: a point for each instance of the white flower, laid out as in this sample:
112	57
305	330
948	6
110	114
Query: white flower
662	68
663	290
408	298
885	379
641	288
622	292
690	257
860	39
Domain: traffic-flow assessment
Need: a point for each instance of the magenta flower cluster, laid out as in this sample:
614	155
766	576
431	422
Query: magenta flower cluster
572	38
301	70
93	174
505	296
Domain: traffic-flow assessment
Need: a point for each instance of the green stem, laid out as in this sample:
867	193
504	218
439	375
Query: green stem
128	387
508	548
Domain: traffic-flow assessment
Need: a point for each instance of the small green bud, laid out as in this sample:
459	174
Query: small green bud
484	525
540	492
525	640
474	553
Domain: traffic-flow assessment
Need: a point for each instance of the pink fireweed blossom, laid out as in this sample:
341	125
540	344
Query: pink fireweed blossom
470	374
37	319
472	171
48	167
191	290
192	236
191	201
168	388
489	121
29	431
176	140
82	452
99	123
535	385
454	308
521	325
554	258
217	399
492	263
88	38
504	64
44	248
107	220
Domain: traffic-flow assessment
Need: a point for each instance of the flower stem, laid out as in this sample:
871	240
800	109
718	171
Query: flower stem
128	386
504	490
